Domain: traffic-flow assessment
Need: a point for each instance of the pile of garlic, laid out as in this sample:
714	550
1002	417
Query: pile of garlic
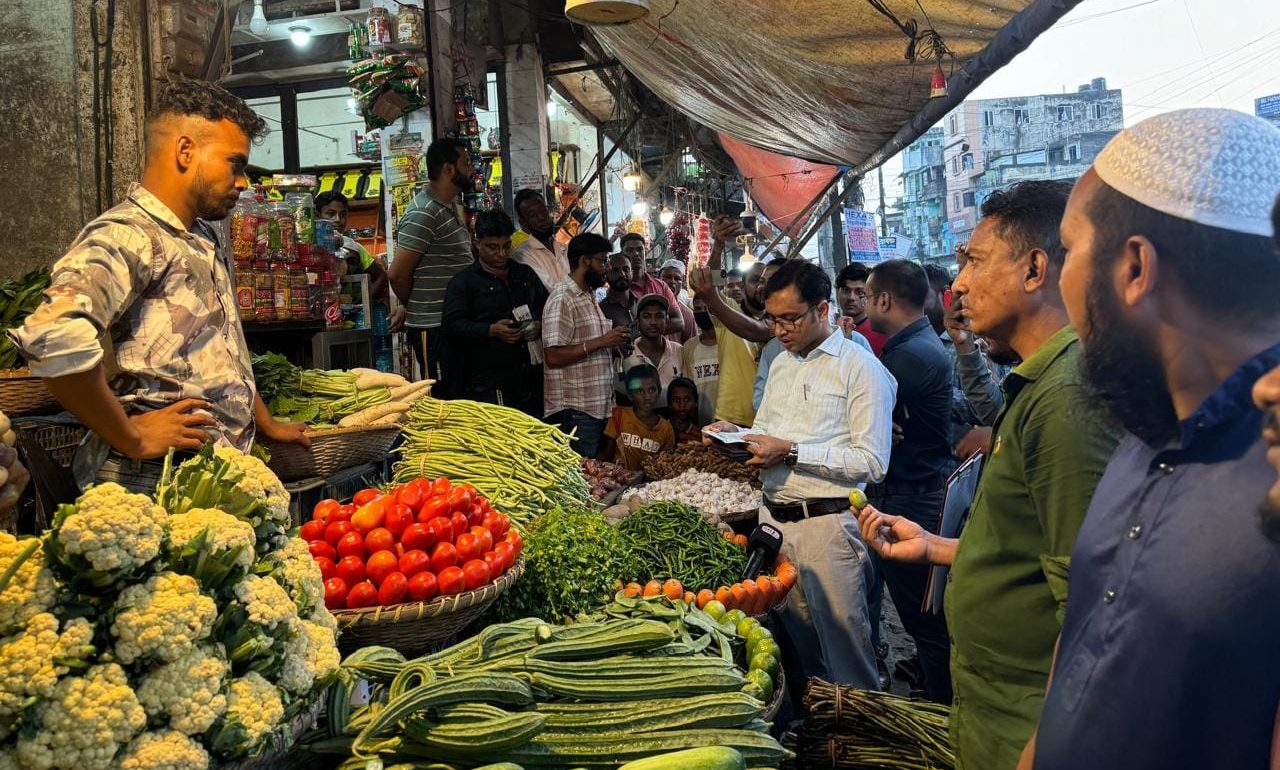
709	493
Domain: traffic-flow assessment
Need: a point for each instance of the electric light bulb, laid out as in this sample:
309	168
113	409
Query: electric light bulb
640	209
666	216
631	181
258	24
300	36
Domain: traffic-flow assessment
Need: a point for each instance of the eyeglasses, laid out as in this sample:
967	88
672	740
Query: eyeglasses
788	323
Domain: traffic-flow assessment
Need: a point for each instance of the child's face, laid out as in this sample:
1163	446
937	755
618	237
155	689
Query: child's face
682	403
644	395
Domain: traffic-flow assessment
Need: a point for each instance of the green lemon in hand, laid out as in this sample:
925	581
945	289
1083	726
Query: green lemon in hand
858	499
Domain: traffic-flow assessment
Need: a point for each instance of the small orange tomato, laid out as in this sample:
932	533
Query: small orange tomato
652	588
672	589
704	596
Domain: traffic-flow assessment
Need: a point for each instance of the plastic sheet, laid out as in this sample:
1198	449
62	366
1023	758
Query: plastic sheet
780	185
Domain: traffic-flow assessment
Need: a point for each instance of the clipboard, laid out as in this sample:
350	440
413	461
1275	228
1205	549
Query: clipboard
961	488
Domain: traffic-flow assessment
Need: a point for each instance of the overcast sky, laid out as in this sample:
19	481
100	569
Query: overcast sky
1164	55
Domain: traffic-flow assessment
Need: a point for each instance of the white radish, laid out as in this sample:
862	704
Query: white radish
378	380
412	390
376	412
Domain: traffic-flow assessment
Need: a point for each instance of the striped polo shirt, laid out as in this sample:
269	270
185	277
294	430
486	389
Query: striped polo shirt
431	227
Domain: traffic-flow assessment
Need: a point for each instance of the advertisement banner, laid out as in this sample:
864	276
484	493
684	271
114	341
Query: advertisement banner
860	232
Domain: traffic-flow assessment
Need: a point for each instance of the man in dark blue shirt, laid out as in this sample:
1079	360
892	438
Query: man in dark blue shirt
1168	654
897	291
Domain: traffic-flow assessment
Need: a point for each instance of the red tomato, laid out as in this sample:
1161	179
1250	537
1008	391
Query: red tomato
312	530
398	517
506	552
369	516
441	529
485	537
460	499
351	569
334	531
380	539
322	550
413	562
343	513
410	496
418	537
460	523
515	540
380	565
363	594
394	589
471	490
440	486
505	521
423	587
444	555
351	544
335	593
365	496
494	561
432	508
423	486
476	573
326	567
468	547
475	516
399	549
452	580
324	509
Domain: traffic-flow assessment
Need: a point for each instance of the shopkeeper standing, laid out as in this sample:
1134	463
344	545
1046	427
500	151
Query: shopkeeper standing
432	246
150	273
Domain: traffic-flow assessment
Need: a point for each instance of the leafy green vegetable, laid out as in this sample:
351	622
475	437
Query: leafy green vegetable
18	299
573	557
276	377
670	540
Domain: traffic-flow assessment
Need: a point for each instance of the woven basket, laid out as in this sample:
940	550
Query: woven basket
22	394
415	628
331	451
275	752
58	436
779	691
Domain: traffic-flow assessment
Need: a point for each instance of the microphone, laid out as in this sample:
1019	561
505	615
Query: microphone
762	549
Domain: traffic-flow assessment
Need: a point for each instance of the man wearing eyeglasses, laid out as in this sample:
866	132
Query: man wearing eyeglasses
823	429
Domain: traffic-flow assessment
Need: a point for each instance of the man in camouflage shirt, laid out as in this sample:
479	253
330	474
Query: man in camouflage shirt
150	277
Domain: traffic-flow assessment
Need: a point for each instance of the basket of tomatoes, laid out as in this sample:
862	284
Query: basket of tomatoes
410	567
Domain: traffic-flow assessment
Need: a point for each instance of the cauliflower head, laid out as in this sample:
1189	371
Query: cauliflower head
32	589
234	483
164	750
32	660
259	482
265	601
84	723
212	546
254	711
187	693
162	618
310	656
110	531
255	625
294	568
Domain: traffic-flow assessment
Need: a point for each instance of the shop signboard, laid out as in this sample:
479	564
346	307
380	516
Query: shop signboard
860	232
896	246
1267	106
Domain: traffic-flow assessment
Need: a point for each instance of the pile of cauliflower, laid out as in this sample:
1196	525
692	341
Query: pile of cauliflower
168	633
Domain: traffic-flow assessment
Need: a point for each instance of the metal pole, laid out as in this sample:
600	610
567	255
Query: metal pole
604	193
504	140
839	246
806	210
884	227
622	139
836	202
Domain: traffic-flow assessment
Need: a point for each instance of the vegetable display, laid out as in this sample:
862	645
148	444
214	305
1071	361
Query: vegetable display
673	541
573	558
18	299
522	465
707	492
606	478
345	399
169	632
672	462
415	542
595	694
845	727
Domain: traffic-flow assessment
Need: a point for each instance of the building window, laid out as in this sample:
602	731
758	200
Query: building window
953	123
955	199
955	165
1066	113
967	160
1073	153
988	119
1099	111
968	200
1021	117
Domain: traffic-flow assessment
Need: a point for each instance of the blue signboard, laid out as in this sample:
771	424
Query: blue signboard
1267	106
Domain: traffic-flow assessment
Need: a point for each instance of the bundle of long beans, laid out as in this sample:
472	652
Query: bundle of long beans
522	465
848	728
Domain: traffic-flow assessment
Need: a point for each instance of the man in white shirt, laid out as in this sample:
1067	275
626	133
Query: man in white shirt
547	256
823	429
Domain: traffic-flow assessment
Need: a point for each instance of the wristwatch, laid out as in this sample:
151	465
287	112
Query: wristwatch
793	455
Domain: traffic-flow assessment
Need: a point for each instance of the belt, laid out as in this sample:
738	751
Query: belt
902	490
807	509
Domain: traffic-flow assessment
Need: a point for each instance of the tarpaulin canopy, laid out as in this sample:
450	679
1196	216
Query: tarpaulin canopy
780	185
824	80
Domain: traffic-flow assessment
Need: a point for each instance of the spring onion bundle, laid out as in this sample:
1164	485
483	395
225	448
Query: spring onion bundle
522	465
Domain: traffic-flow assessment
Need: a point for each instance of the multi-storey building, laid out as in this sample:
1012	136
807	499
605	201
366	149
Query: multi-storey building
924	190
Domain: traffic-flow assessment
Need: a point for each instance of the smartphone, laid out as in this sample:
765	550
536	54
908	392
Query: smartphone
946	299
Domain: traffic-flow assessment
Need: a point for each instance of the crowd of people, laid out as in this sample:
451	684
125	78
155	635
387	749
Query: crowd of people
1108	351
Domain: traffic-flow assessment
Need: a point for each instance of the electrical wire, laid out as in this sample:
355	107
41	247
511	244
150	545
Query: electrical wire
1101	14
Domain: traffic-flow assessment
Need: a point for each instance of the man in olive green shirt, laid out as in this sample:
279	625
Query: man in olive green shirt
1007	591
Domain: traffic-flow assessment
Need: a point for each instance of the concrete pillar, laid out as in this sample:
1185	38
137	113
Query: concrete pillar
526	91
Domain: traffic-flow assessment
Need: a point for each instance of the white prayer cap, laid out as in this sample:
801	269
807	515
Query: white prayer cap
677	264
1217	167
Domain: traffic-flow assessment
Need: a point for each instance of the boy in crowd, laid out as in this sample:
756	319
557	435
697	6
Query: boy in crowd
682	410
652	347
637	431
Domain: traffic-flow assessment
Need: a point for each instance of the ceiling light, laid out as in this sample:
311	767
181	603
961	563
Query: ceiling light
300	36
258	24
631	180
746	260
640	209
666	216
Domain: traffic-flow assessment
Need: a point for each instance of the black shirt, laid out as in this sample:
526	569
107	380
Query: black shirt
619	313
474	301
916	359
